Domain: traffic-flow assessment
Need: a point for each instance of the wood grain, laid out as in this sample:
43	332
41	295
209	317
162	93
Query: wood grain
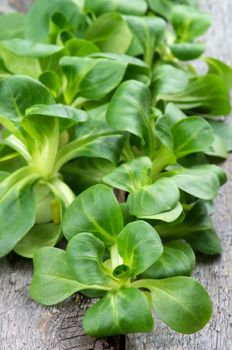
216	274
24	325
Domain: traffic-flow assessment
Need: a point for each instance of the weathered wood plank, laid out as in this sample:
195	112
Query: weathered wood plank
28	326
216	274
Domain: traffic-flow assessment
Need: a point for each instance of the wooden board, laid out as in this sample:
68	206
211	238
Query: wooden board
24	325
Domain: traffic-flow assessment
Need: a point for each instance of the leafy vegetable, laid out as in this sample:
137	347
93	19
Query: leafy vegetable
108	139
112	267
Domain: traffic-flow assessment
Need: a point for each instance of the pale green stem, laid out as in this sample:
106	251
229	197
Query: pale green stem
62	191
116	259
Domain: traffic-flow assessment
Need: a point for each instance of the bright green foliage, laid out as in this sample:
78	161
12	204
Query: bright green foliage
113	267
108	139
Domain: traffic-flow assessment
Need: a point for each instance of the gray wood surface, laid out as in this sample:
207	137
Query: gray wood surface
24	325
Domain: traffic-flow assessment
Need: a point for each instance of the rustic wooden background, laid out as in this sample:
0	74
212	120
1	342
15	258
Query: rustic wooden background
26	326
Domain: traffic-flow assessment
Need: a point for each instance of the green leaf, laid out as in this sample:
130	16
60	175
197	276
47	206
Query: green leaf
224	132
39	18
138	7
197	229
129	109
148	31
161	7
217	149
88	171
187	51
163	132
80	47
94	139
140	246
28	48
199	181
130	176
167	80
173	114
12	25
182	303
39	236
167	216
177	259
136	68
20	65
207	95
85	258
19	203
95	210
189	22
218	67
52	81
13	90
153	199
107	32
53	280
91	78
118	313
191	135
68	115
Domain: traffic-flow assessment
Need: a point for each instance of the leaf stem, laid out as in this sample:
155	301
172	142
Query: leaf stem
62	191
116	259
164	158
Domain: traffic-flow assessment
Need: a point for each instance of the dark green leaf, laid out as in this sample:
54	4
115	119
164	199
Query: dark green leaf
53	280
197	229
129	109
13	90
107	33
58	111
168	80
167	216
52	81
39	236
91	78
177	259
199	181
207	94
19	205
85	257
189	22
153	199
148	31
41	13
182	303
118	313
95	210
187	51
191	135
88	171
220	68
138	7
140	246
130	176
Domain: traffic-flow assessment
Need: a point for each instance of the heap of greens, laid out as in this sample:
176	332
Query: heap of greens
109	140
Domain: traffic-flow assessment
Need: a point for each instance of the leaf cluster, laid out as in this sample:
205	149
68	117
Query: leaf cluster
102	96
